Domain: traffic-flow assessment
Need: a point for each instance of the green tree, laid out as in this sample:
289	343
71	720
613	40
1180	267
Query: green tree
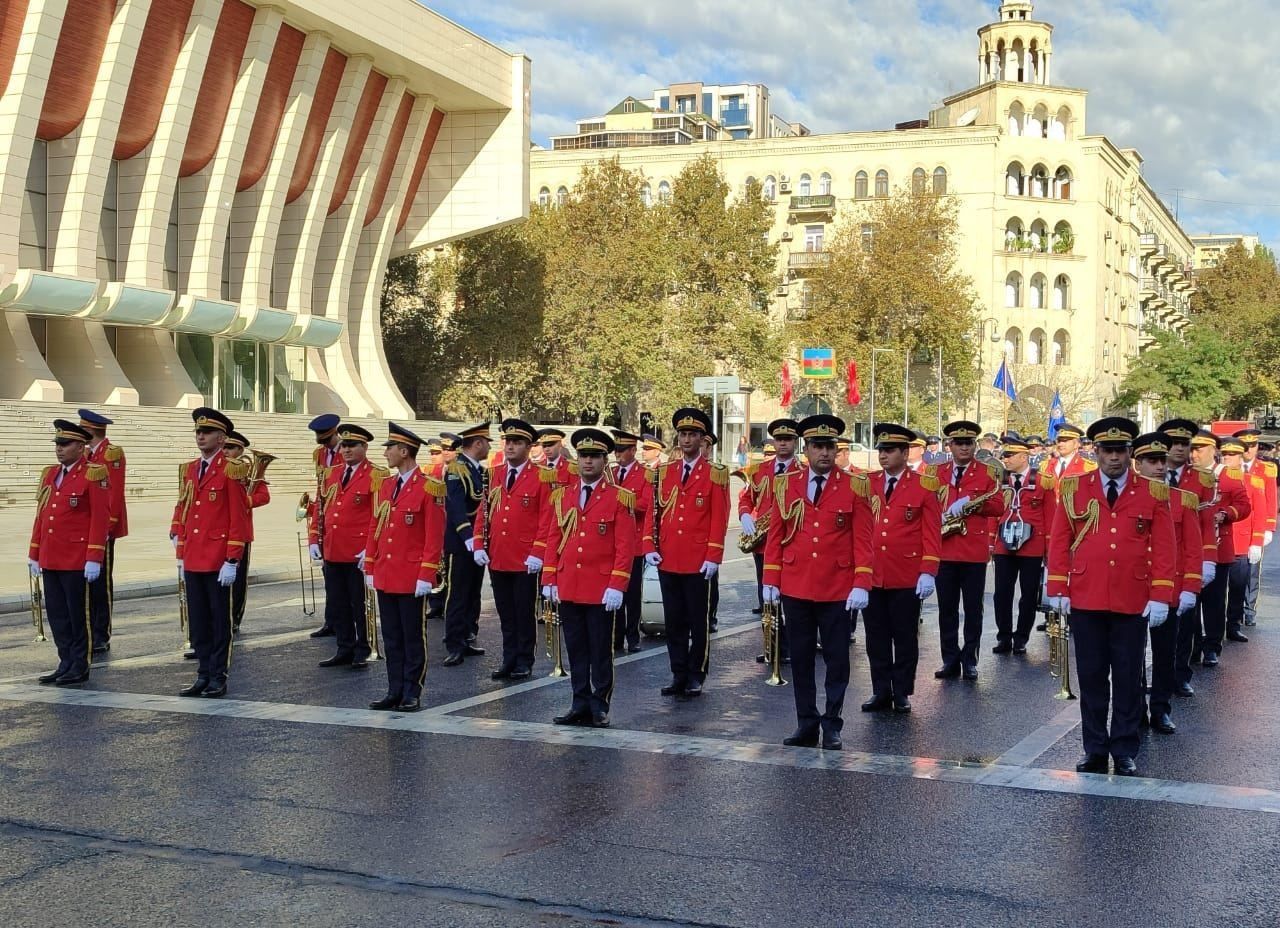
1197	376
414	326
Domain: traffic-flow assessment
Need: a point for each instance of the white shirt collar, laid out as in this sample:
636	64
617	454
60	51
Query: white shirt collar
1121	481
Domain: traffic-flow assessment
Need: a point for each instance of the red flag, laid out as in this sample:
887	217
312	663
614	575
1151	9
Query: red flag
852	396
786	384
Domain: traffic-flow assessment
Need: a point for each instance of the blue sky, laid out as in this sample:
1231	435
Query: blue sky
1192	84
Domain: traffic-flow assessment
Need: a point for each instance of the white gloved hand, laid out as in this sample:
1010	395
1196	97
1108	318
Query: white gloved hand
481	557
368	580
654	559
360	561
1156	613
532	564
92	571
471	544
173	540
1255	554
34	567
709	569
551	593
612	601
227	575
421	589
771	594
954	508
748	524
1267	538
1186	602
314	551
924	586
858	599
1208	570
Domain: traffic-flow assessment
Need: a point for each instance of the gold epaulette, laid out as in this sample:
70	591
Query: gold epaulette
1235	473
573	468
930	483
860	485
434	487
458	469
627	498
316	453
96	472
1159	489
928	470
237	469
376	478
1208	479
45	472
1069	485
1257	481
1189	499
1090	466
1269	468
720	475
995	470
1048	481
546	474
113	453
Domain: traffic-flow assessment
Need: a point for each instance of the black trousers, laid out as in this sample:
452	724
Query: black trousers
891	624
66	608
1012	571
1110	648
101	597
960	580
686	600
515	594
240	591
713	600
758	558
462	602
1213	609
1238	578
1251	594
1190	638
404	643
344	609
588	640
627	628
807	622
1164	648
209	614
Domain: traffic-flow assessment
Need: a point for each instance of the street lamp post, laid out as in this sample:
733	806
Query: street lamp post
995	337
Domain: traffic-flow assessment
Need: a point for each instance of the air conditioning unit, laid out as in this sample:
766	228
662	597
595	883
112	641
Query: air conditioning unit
786	236
781	291
784	186
784	178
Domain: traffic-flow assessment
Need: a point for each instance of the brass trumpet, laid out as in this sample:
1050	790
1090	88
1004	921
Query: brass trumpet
371	622
37	608
771	629
184	619
1059	632
551	619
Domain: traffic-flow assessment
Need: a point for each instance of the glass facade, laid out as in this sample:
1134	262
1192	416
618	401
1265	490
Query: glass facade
289	378
196	354
244	375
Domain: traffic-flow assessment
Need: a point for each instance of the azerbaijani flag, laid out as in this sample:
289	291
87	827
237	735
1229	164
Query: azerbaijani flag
818	363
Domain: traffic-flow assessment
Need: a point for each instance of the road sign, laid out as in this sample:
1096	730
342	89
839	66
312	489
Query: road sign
716	386
818	363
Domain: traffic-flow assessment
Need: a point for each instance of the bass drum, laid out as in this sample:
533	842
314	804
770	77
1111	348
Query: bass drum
652	621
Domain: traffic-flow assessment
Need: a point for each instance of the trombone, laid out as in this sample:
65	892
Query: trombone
551	619
304	558
37	608
771	629
371	622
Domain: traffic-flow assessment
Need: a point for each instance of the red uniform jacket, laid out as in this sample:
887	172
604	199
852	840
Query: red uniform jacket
1201	484
211	519
639	481
694	516
347	513
1247	532
406	535
72	521
819	553
907	539
1184	507
112	457
566	471
974	545
1033	504
589	550
518	520
1112	559
1267	471
1233	502
1076	467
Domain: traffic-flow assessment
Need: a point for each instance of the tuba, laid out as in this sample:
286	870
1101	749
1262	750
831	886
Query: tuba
258	463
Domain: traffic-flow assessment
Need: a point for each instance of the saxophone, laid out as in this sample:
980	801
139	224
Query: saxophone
958	524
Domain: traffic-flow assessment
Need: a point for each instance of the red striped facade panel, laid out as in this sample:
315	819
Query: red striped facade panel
230	39
389	157
360	126
12	15
271	104
75	67
152	74
420	166
326	93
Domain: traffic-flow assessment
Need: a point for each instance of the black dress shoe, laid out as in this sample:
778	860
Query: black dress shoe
502	673
970	672
877	704
947	672
216	690
409	705
1163	724
453	660
600	720
573	718
47	678
385	703
196	688
435	614
1125	767
693	688
1210	659
1019	649
831	741
338	660
71	679
1092	763
360	664
801	739
521	673
1185	690
901	704
1004	647
759	658
101	648
1250	623
471	650
189	654
634	648
1235	635
1041	627
324	631
673	689
755	611
715	626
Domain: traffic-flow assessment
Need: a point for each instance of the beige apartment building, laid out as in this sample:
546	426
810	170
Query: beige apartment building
1075	259
1211	248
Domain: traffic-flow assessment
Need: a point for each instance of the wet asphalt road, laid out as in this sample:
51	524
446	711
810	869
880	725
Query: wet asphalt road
477	812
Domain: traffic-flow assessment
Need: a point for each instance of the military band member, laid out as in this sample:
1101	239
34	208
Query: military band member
905	553
464	489
211	527
651	451
915	453
448	444
709	442
754	499
589	555
551	440
843	460
1111	570
969	495
435	462
515	520
1067	461
259	495
1249	537
68	544
1021	535
1232	506
693	501
631	475
818	565
1255	465
402	562
324	456
342	546
102	450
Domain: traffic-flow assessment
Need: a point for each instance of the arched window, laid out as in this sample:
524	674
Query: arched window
1060	126
1062	184
1038	123
1039	284
1013	237
805	186
1001	62
1035	347
1013	290
770	188
646	194
544	196
1064	240
1039	236
1017	64
748	183
824	184
860	185
562	196
1017	118
1013	346
1061	347
882	183
917	182
1062	292
1039	186
939	182
664	192
1015	183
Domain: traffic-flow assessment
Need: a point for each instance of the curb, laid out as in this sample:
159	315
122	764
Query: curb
143	589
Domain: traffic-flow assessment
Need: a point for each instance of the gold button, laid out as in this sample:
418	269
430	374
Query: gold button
883	548
1113	563
579	550
815	554
1113	547
1113	530
815	541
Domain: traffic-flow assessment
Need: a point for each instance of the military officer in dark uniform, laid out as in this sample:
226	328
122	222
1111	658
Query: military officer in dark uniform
464	488
325	456
101	450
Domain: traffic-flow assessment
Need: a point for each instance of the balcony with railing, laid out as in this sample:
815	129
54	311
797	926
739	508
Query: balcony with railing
803	262
735	117
1149	242
813	204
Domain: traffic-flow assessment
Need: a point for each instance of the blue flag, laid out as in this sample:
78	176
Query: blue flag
1056	417
1004	382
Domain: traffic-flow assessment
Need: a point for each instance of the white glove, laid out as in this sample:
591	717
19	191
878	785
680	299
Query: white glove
1267	538
1059	604
368	580
181	572
1208	570
654	559
471	544
771	594
360	561
173	540
423	588
34	567
532	564
92	571
551	593
708	569
481	557
924	586
1186	602
858	599
1255	554
612	601
1156	613
227	575
954	508
748	524
314	551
